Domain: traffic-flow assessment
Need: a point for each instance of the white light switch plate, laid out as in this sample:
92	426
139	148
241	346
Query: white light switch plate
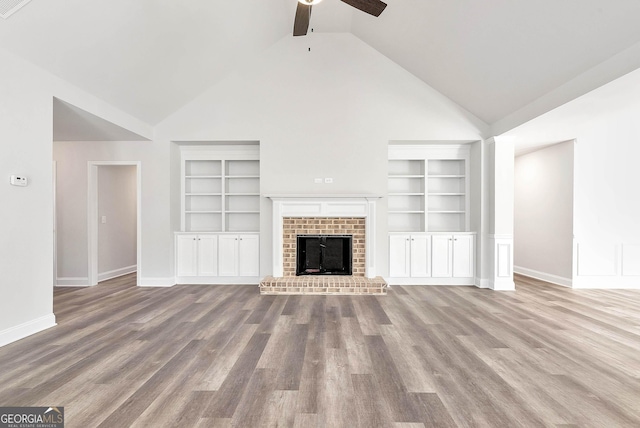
19	180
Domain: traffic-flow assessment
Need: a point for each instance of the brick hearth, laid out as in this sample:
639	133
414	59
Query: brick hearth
357	283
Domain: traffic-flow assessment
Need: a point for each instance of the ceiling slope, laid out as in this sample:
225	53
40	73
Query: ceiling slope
150	57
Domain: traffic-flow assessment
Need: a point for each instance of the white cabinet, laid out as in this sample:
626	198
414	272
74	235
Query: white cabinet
399	256
426	258
453	256
196	255
217	258
463	256
410	256
239	255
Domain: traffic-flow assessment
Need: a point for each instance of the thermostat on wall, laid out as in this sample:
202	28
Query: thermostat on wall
19	180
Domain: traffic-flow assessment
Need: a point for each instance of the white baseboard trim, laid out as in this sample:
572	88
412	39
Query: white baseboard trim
502	284
72	281
217	280
430	281
482	283
116	273
28	328
156	282
543	276
606	282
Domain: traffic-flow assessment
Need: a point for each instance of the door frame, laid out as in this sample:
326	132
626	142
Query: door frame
92	216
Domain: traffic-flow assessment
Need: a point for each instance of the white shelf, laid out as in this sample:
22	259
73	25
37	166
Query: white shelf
220	189
428	189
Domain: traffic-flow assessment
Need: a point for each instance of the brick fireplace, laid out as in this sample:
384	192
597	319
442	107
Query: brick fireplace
294	226
295	215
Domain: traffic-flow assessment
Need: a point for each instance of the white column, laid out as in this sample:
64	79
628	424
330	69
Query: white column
500	157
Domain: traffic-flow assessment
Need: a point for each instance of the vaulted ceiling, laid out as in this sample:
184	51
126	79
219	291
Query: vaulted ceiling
150	57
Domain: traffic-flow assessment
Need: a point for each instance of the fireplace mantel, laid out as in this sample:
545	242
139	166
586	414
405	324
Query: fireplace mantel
340	205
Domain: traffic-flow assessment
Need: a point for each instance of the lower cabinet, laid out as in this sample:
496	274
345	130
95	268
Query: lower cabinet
429	258
239	255
201	258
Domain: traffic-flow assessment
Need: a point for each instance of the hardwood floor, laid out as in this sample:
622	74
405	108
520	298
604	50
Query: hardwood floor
423	356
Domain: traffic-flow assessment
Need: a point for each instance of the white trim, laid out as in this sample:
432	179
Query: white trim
55	223
482	283
217	280
92	216
116	273
72	281
606	282
28	328
156	282
501	265
362	206
543	276
431	281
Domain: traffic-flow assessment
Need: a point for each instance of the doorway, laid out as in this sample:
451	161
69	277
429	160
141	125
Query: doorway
105	242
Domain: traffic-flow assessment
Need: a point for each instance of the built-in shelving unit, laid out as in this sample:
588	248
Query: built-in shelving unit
428	189
220	189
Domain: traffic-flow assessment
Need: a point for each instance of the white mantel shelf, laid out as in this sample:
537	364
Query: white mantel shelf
330	196
337	205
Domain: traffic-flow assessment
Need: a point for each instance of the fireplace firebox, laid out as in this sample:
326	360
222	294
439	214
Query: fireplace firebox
324	255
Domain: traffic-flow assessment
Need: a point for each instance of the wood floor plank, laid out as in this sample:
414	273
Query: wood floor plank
422	356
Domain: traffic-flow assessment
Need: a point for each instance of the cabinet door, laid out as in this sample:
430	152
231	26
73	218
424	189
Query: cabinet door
399	249
441	256
248	255
228	255
420	257
463	256
186	255
207	255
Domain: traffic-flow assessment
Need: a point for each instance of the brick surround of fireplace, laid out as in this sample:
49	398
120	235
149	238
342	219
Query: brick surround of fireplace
294	226
324	215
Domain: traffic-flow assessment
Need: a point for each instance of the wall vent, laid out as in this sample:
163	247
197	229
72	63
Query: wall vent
9	7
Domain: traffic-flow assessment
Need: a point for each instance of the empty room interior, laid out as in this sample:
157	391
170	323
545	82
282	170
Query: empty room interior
336	213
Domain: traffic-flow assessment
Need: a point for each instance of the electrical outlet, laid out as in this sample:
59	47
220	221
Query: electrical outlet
317	180
328	180
19	180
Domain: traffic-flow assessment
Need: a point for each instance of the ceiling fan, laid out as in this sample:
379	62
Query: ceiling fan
303	12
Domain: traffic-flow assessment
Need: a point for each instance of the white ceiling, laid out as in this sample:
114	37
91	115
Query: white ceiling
150	57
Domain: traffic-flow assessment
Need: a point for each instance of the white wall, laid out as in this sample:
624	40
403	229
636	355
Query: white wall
543	213
26	246
330	112
157	246
117	200
606	197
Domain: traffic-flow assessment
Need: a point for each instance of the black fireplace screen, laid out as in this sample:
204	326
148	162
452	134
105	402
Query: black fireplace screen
324	255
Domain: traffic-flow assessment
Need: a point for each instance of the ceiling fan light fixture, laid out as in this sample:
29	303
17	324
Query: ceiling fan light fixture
309	2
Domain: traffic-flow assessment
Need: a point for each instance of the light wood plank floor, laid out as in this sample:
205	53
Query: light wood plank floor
207	356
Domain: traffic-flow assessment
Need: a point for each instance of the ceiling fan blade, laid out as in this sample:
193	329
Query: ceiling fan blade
372	7
301	23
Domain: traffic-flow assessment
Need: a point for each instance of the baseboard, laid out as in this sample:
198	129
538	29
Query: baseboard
217	280
606	283
156	282
482	283
28	328
72	281
502	284
543	276
116	273
430	281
